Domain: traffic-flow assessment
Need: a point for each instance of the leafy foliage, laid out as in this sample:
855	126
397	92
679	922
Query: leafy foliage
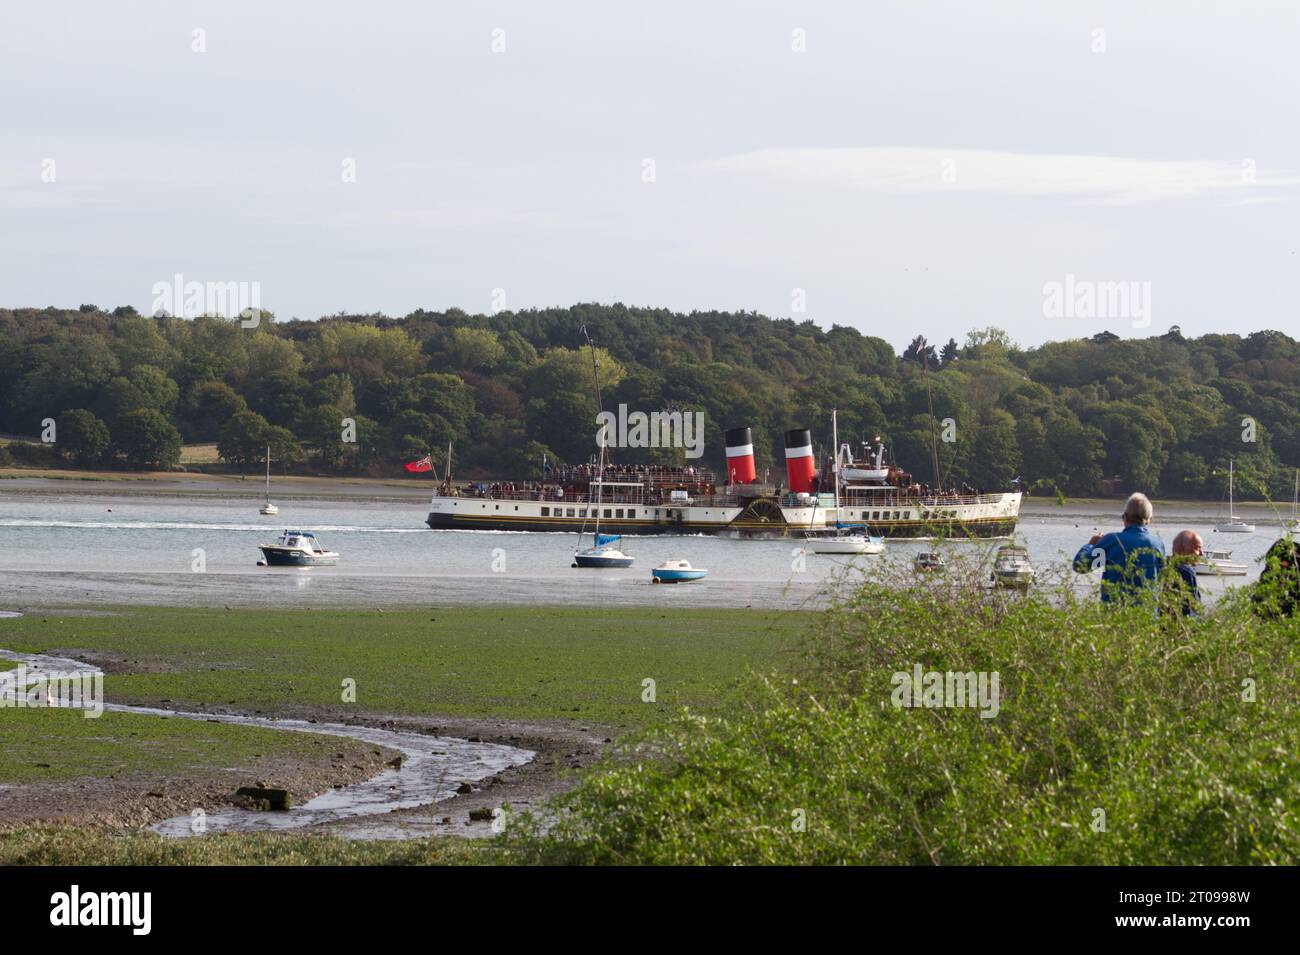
1080	417
1121	738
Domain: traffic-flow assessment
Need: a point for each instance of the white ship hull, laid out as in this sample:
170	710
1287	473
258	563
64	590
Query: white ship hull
985	515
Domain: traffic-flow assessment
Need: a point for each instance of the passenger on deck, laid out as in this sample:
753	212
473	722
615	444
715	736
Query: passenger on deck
1134	557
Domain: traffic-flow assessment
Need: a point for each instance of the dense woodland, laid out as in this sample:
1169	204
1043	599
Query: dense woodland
1081	417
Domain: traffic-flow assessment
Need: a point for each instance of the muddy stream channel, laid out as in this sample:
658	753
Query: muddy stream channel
432	767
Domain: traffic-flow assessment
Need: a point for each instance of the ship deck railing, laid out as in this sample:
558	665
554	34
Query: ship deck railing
893	497
638	497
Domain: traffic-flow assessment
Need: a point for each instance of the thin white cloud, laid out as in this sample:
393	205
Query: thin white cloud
923	170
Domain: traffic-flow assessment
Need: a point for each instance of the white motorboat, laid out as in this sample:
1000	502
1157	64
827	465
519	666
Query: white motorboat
928	560
269	509
1219	563
1012	568
1234	524
298	549
676	572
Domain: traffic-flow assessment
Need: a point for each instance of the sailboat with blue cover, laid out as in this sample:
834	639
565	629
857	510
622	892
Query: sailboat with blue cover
604	552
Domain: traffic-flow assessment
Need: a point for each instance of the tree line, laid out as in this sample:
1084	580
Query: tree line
359	394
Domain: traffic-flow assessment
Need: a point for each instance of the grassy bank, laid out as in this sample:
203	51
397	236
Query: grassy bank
582	664
53	745
1118	738
581	667
70	846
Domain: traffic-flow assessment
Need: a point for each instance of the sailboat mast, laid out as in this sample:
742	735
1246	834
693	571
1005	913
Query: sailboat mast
604	436
835	437
268	474
1231	508
934	441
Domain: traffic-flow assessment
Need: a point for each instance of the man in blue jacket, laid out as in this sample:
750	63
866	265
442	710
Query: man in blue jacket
1134	557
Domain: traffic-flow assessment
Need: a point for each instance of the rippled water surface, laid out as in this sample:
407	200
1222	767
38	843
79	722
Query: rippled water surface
201	549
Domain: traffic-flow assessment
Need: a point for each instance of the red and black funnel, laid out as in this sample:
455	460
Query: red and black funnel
800	467
740	457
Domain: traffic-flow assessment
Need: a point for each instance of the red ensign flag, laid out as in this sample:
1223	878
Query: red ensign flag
424	464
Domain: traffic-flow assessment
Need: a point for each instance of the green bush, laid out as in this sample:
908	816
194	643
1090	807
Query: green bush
33	455
1185	733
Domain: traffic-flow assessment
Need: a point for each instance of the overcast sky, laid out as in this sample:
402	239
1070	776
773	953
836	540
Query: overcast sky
900	167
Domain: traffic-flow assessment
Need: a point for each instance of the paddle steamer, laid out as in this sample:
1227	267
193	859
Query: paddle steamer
635	499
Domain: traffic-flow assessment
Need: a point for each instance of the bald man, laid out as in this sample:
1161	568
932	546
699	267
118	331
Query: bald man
1188	548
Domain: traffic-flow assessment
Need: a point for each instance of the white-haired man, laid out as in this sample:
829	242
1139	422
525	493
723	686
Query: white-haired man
1134	557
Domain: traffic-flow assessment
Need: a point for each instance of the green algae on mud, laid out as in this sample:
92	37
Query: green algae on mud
49	745
67	845
587	665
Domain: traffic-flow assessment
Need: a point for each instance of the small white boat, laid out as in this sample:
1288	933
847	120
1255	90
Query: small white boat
676	572
269	509
298	549
1234	525
928	560
1012	568
1218	563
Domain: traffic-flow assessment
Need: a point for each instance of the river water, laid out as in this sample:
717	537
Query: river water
80	543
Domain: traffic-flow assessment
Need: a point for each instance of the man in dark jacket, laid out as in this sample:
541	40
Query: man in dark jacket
1187	548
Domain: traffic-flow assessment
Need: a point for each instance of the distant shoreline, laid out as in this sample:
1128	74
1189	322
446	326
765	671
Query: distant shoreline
70	480
59	481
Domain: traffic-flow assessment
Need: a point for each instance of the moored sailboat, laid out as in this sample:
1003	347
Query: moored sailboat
1234	524
849	538
269	509
604	552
